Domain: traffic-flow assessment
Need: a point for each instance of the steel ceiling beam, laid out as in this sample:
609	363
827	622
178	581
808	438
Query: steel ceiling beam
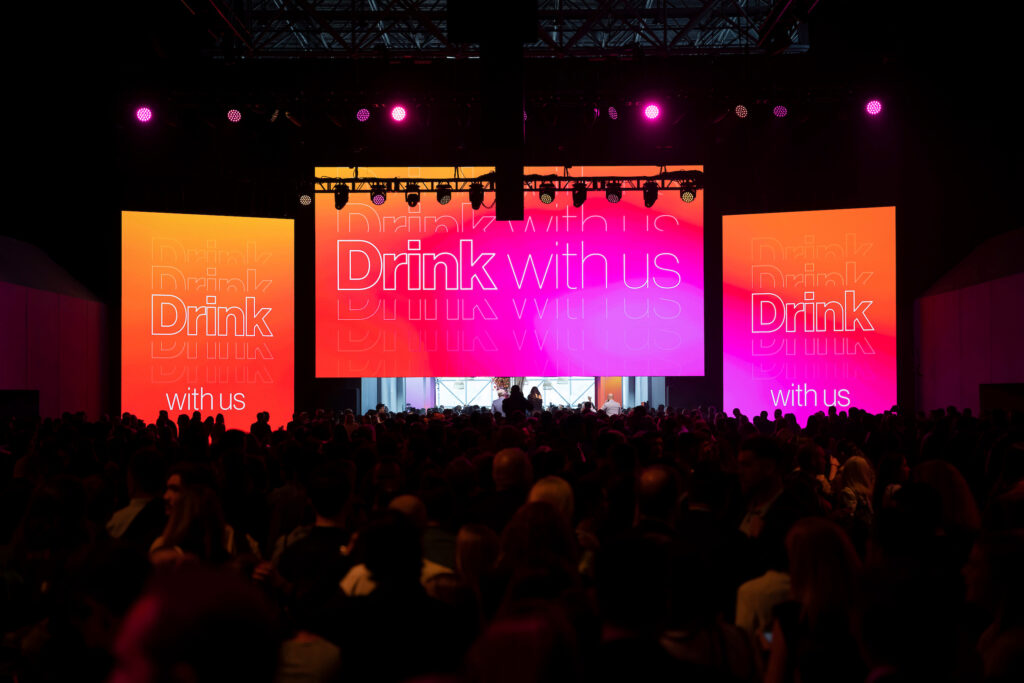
418	29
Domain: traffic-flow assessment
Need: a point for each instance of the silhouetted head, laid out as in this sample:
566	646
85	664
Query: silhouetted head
413	508
511	468
556	492
200	626
391	549
823	567
658	490
760	464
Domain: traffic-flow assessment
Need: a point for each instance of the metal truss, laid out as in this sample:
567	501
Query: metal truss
690	180
417	29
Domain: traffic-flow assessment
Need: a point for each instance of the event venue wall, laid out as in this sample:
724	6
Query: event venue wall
969	329
53	334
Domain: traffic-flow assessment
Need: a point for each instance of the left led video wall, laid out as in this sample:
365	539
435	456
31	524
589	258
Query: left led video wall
207	316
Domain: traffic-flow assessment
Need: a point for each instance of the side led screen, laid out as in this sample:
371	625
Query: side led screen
443	290
809	311
207	316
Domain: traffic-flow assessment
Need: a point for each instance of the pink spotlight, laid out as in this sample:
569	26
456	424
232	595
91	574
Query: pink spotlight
651	111
234	116
741	111
780	111
398	113
363	115
873	108
613	113
144	114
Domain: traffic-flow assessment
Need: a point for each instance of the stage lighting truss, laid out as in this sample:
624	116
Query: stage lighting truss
547	187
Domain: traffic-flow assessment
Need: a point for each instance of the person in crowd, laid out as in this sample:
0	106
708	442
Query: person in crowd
658	494
195	530
556	492
198	625
892	474
313	562
669	544
992	577
761	467
261	427
360	579
143	518
757	598
398	610
812	637
476	555
855	486
854	493
512	476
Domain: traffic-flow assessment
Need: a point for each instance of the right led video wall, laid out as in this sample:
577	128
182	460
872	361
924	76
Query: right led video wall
809	311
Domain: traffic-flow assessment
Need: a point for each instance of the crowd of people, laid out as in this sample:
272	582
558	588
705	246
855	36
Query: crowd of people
516	544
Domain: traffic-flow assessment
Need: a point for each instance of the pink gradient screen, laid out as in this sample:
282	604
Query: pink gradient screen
443	290
809	311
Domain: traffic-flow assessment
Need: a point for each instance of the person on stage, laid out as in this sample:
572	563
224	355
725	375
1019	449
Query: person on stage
496	403
611	406
516	402
535	400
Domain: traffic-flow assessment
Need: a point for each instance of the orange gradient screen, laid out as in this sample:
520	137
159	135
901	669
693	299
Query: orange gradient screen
207	316
809	311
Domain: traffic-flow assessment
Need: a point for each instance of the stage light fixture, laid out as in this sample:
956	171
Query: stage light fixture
613	192
305	200
363	115
444	193
613	113
650	193
741	111
234	116
398	113
579	193
688	190
378	194
873	108
144	114
340	196
547	192
780	111
412	194
652	111
476	195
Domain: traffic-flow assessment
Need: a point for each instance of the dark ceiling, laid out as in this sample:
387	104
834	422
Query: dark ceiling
944	151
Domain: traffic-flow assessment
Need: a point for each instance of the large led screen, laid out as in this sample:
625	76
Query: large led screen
447	291
207	316
809	311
